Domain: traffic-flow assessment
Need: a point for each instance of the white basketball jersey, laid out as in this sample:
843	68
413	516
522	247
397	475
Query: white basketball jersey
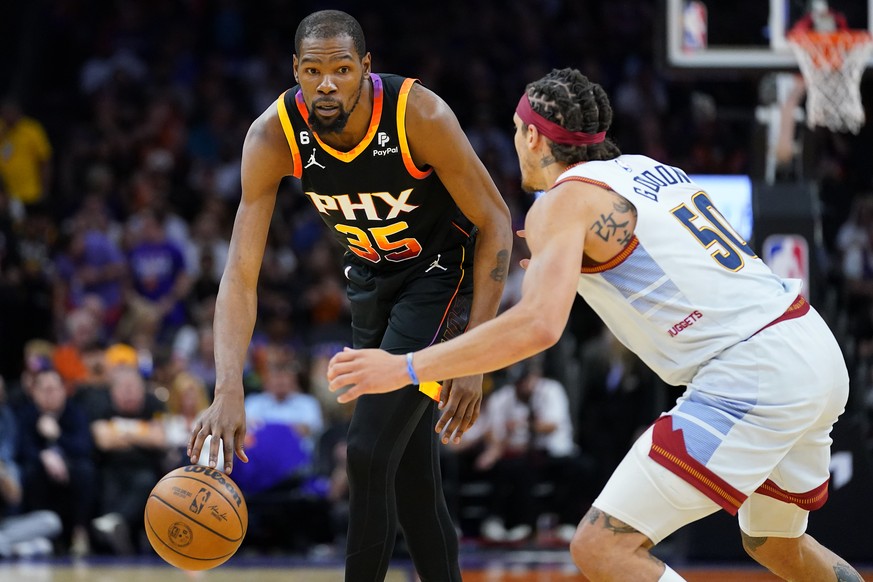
687	286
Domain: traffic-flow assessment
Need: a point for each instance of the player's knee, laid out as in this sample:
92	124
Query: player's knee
359	457
588	550
363	458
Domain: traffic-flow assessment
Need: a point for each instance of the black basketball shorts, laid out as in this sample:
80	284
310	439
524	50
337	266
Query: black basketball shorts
413	307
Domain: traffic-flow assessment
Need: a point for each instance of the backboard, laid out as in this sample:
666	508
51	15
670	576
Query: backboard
743	34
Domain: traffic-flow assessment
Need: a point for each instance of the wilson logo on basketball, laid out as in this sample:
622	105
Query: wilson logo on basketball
218	476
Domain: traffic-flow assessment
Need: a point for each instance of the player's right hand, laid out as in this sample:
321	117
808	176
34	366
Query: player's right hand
225	420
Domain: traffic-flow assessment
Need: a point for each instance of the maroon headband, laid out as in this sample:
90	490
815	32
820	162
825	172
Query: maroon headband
552	130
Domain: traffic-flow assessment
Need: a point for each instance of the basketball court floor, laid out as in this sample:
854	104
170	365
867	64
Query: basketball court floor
509	567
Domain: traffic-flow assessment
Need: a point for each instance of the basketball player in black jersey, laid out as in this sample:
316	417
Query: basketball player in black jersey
386	165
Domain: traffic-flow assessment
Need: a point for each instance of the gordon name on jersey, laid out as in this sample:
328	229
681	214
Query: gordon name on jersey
694	285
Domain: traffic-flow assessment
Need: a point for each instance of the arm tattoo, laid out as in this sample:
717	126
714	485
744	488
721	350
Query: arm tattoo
623	206
498	273
607	227
846	573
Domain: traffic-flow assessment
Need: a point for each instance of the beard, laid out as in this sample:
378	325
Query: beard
338	123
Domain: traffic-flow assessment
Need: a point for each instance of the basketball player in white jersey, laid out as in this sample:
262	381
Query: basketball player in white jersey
675	283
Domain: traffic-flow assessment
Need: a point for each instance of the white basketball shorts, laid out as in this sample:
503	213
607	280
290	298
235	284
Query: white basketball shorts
751	435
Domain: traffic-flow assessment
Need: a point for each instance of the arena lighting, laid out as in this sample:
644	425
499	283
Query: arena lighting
732	195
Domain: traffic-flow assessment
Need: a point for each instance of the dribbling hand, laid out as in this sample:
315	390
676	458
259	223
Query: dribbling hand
225	421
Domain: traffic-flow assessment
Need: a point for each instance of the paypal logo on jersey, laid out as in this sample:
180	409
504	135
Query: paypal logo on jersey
382	139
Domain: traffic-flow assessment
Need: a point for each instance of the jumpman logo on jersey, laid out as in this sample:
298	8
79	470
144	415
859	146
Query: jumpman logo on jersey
435	265
312	161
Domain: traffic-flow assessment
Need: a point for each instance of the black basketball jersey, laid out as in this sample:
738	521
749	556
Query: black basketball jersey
378	204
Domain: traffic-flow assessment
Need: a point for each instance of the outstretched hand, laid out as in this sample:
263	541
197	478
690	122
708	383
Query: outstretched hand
372	371
368	371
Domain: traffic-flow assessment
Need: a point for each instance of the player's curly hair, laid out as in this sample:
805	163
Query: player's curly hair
570	99
330	24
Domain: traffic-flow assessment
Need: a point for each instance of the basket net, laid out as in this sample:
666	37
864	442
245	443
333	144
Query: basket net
832	64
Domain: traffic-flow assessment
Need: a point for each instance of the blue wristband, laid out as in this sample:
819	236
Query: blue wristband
410	370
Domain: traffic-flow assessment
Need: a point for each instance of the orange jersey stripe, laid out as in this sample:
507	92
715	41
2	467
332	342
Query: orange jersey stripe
289	135
603	185
466	234
401	132
455	294
616	260
371	130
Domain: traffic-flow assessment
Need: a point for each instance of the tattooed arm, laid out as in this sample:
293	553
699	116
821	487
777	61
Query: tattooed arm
437	140
556	231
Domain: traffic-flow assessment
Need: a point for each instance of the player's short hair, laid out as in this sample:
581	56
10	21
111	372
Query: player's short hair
570	99
331	24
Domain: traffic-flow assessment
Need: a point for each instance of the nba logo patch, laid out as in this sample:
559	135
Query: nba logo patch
788	256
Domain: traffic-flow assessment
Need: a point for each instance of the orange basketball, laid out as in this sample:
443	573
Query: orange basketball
196	517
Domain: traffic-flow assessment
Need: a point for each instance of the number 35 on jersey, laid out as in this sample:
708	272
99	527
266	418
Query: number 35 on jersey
376	242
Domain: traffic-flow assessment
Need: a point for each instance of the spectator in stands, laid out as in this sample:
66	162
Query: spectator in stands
279	479
79	358
159	281
36	237
55	455
21	534
855	240
187	399
206	256
11	296
530	441
131	443
90	264
25	164
620	397
201	363
283	402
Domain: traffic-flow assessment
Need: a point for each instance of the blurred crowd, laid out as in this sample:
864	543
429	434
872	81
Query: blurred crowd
119	181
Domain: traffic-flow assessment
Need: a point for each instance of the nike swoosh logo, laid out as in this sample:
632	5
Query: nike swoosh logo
346	271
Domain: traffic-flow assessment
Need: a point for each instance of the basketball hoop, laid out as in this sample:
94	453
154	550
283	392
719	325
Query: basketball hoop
832	64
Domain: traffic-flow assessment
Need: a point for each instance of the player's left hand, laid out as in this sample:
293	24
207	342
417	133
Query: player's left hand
460	401
367	371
